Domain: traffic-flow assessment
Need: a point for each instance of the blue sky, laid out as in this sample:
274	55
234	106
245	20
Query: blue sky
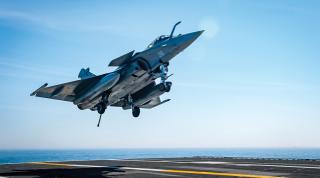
251	80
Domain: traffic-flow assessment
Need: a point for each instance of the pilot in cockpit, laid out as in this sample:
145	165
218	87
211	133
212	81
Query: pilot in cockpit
158	40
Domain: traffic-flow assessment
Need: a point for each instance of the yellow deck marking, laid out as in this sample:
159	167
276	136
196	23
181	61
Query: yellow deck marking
166	170
217	174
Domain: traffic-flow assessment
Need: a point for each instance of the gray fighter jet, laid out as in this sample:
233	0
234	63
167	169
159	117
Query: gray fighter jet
132	85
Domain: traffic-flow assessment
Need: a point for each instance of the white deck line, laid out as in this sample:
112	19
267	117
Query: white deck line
302	166
162	170
281	165
97	166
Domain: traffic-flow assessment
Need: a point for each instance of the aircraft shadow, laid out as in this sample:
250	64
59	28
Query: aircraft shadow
68	172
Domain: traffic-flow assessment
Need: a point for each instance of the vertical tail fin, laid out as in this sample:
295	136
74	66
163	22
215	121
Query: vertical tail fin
85	73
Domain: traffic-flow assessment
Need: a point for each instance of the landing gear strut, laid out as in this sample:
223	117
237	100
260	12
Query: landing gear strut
163	75
101	108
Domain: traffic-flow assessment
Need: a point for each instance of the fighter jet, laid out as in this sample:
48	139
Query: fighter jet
132	85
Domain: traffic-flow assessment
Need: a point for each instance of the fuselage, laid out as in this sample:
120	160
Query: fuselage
136	75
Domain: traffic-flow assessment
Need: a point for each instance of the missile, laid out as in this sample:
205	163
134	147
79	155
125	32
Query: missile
146	95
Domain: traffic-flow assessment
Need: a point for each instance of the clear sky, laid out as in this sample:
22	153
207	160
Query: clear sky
251	80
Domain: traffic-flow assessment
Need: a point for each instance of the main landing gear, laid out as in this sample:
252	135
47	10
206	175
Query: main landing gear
135	109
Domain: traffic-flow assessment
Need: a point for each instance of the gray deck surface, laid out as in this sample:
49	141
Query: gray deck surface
168	167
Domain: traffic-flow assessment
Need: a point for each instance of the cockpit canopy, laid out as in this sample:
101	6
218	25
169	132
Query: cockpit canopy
158	40
163	37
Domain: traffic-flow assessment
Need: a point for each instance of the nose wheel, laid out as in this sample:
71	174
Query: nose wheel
166	86
164	76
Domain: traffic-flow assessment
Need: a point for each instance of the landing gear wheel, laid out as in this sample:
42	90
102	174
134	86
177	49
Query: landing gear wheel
162	87
101	108
135	111
167	88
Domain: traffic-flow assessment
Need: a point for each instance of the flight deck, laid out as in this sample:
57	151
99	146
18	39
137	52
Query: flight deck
167	167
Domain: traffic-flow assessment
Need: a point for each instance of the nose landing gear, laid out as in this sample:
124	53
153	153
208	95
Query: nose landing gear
164	76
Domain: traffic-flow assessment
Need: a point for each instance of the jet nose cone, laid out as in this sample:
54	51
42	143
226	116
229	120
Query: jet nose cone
185	40
190	37
195	35
177	44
